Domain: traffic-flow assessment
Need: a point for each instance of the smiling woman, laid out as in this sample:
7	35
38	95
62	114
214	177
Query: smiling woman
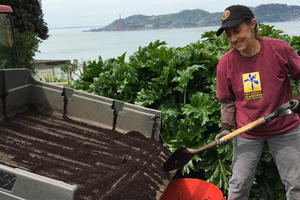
243	38
253	76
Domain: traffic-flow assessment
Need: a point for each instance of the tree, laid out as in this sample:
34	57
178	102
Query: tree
30	28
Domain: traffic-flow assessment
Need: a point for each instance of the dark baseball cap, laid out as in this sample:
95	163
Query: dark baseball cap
234	15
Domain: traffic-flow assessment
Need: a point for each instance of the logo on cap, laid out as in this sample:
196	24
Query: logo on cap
226	14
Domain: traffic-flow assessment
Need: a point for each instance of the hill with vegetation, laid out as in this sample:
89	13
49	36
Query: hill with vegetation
199	17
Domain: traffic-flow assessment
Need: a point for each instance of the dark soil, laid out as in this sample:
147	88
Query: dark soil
104	164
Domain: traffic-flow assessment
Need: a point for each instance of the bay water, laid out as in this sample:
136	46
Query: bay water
75	43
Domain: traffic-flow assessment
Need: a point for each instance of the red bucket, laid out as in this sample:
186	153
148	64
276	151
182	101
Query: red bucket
191	189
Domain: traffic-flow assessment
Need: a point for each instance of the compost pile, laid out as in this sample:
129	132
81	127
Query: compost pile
104	164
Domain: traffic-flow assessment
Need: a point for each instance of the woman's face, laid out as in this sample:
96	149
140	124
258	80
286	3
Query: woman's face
241	37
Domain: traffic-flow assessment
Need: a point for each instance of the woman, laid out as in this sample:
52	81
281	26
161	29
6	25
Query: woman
252	82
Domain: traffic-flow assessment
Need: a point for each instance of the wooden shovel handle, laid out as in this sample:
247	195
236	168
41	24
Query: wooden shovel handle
231	135
182	155
243	129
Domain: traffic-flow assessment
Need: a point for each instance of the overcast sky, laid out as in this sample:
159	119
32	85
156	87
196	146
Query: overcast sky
68	13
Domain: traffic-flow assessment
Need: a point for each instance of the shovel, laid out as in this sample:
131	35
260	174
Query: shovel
183	154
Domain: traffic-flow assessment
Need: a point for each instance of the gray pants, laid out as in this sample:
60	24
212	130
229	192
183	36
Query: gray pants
285	149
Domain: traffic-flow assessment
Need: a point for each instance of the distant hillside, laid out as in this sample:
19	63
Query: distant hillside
198	18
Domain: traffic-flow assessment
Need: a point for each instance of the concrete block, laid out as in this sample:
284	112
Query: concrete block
31	186
47	98
137	118
90	108
17	99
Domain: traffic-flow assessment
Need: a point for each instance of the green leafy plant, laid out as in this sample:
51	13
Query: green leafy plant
183	78
27	45
55	79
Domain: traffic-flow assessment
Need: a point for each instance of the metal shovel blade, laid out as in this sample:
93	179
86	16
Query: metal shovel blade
178	159
183	155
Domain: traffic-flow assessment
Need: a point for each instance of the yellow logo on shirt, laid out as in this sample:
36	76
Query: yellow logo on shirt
252	86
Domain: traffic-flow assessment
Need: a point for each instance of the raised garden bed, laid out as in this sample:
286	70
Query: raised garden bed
104	164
